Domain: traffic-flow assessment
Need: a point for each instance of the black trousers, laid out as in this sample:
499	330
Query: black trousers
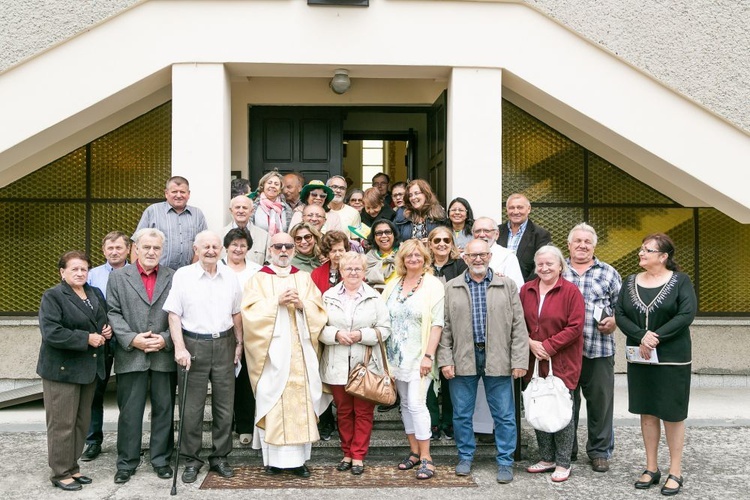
597	383
244	402
132	391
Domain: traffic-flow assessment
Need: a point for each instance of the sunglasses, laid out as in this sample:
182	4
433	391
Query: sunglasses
307	237
282	246
442	240
319	195
386	232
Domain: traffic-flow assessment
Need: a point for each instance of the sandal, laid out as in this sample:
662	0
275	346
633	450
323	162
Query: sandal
408	463
559	477
540	467
343	466
425	472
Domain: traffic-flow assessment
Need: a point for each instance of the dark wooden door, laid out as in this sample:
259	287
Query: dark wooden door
437	120
302	139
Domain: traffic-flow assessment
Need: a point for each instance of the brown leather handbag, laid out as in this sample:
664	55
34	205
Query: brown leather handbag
371	386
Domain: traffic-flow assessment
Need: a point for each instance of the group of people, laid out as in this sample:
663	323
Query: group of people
307	279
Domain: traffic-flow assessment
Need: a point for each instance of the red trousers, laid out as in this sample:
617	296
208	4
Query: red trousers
354	417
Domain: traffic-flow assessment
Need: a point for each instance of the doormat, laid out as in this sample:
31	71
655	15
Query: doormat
375	476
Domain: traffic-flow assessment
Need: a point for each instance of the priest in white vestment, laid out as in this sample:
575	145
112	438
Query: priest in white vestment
283	314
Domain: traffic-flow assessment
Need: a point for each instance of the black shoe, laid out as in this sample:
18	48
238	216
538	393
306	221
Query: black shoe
223	469
301	471
273	471
190	474
83	479
343	466
655	478
448	432
435	433
357	470
164	471
671	491
91	452
123	475
74	486
325	432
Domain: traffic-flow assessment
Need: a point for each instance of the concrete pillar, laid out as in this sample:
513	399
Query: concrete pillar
201	142
475	161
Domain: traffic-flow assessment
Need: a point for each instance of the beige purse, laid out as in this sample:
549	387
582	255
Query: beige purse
371	386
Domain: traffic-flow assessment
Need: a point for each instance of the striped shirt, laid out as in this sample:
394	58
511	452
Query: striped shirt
515	239
600	286
180	230
478	296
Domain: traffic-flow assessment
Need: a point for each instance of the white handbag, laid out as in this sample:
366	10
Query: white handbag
547	403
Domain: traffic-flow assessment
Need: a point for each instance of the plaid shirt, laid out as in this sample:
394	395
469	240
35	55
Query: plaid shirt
515	240
600	285
478	296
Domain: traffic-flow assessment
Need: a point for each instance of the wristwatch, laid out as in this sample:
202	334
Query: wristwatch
431	356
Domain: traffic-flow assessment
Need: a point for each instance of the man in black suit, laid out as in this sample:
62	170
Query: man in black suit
521	236
144	357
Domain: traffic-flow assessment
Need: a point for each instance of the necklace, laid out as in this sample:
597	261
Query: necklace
400	290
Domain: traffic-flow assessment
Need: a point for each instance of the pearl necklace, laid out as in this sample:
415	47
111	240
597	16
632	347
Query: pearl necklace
400	289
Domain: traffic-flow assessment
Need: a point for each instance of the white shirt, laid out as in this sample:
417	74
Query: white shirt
506	263
204	303
348	216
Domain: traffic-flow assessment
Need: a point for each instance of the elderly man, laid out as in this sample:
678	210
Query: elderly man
503	262
144	361
484	337
521	236
293	183
179	222
241	208
115	248
315	215
600	285
283	315
206	328
349	216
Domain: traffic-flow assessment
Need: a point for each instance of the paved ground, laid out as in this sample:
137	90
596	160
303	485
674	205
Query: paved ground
718	438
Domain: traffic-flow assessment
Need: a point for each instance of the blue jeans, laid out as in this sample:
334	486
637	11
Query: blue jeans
499	392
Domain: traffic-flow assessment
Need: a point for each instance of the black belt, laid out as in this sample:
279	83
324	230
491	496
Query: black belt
479	345
207	336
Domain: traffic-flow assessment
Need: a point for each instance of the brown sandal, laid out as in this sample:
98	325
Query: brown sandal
408	463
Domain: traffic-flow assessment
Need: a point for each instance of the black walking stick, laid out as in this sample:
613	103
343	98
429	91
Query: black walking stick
183	394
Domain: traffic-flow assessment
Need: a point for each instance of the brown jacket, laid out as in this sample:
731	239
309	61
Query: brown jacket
507	343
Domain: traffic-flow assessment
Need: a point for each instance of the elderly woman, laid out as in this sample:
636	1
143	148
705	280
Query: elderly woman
270	211
446	265
555	312
73	323
355	312
307	247
398	195
415	303
332	246
381	258
374	208
317	193
461	220
237	243
421	214
356	199
654	311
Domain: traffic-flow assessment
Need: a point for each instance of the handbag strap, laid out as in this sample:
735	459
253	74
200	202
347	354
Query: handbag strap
386	371
536	368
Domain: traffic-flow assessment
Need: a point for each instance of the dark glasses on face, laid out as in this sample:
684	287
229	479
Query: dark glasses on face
306	237
442	240
283	246
386	232
318	195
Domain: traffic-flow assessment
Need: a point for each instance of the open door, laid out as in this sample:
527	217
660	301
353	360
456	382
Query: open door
437	120
295	139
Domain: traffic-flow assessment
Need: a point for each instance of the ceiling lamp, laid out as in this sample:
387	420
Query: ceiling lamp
340	82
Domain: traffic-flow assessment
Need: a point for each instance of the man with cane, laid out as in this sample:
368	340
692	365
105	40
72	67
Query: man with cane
206	328
144	361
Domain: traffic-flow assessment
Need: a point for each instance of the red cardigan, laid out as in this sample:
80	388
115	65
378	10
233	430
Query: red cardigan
319	276
559	328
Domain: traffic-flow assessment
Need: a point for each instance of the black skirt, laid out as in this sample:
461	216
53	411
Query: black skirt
659	390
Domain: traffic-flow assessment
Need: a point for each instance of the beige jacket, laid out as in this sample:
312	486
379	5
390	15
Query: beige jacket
507	343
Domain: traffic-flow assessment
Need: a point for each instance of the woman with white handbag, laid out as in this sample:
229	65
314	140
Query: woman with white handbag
555	312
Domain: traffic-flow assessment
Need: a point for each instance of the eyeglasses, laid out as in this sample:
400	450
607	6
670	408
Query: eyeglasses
379	184
307	237
337	188
282	246
397	195
414	193
442	240
314	216
319	195
648	250
479	230
355	200
457	211
353	270
474	256
385	232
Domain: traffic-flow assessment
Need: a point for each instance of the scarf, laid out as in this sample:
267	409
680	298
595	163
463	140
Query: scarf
268	206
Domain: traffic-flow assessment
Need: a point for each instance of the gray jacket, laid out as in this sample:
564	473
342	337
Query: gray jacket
507	342
130	313
370	312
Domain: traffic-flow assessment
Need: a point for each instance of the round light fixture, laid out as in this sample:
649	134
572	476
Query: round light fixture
340	82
